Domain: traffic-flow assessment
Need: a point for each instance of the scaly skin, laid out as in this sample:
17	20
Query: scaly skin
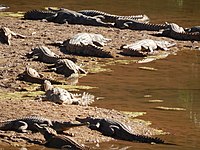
44	54
39	14
135	25
58	141
88	44
112	18
24	124
65	16
27	123
117	130
178	33
67	68
31	75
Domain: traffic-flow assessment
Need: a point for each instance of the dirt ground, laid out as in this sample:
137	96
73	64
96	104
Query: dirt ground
19	98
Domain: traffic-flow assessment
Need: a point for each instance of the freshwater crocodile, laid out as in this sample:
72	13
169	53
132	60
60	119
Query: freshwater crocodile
112	18
176	32
88	44
136	25
65	16
53	140
66	67
62	96
31	75
145	47
27	123
6	35
193	29
117	130
44	54
24	124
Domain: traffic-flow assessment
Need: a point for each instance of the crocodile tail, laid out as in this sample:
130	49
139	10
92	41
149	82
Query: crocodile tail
147	139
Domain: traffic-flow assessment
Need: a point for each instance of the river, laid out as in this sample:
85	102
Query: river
176	80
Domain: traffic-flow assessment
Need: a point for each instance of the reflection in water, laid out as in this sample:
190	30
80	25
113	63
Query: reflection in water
189	98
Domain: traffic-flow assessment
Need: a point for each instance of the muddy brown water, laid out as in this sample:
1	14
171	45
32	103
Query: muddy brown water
176	80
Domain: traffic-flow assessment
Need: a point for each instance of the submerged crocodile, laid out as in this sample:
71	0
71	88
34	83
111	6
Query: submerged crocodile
136	25
67	68
62	96
31	75
88	44
44	54
176	32
53	140
26	124
112	18
145	47
65	16
117	130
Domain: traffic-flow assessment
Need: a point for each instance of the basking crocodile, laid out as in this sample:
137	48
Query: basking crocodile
65	16
6	35
112	18
176	32
27	123
66	67
31	75
88	44
117	130
136	25
44	54
53	140
145	47
24	124
60	96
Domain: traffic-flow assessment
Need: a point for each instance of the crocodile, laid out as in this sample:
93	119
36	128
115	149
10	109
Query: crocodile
6	35
66	67
53	140
44	54
65	16
117	130
145	47
193	29
136	25
88	44
25	124
178	33
62	96
31	75
112	18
